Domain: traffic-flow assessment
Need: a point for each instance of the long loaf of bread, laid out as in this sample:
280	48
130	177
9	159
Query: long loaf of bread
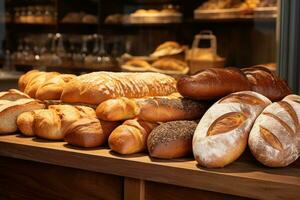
222	133
156	109
275	137
97	87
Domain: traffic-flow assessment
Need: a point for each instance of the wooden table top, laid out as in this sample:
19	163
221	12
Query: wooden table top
245	177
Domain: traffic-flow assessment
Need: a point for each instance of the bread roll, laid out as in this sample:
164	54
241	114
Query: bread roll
265	82
52	123
170	66
36	82
157	109
11	110
275	137
89	132
97	87
167	48
130	137
222	134
12	95
212	83
171	139
53	87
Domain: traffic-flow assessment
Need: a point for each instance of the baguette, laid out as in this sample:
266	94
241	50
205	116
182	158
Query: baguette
157	109
89	132
97	87
26	78
222	134
130	137
275	137
212	83
9	112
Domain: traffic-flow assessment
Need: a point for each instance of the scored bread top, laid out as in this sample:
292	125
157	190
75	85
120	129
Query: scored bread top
96	87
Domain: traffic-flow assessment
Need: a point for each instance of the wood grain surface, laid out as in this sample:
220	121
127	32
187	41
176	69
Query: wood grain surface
245	177
20	179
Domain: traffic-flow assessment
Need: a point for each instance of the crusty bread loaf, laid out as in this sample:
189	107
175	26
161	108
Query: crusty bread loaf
35	83
265	82
171	139
130	137
26	78
155	109
222	134
212	83
12	109
52	123
89	132
275	137
12	95
53	87
97	87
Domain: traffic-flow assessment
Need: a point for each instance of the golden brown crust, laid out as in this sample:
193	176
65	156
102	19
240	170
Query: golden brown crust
97	87
130	137
13	95
89	132
26	78
52	88
170	64
25	123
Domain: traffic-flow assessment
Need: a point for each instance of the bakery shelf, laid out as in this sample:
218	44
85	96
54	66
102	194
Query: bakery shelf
150	2
244	178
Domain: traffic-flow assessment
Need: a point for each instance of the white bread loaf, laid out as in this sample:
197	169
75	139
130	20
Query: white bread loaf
12	95
275	137
222	134
10	110
96	87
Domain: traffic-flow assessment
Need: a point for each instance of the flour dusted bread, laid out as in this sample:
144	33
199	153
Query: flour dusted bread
97	87
52	123
152	109
12	95
52	88
89	132
10	110
222	133
171	140
275	137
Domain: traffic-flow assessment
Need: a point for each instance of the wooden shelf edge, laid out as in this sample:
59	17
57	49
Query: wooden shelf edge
251	183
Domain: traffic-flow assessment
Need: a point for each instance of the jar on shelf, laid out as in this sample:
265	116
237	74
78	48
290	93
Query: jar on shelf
30	16
39	18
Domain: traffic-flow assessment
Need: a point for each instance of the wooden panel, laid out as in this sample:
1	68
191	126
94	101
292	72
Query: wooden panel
157	191
134	189
21	179
242	178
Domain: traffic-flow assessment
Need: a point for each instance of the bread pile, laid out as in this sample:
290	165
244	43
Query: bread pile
143	112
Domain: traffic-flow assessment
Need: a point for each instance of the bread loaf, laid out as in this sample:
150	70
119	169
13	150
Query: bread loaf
26	78
35	83
171	139
10	110
275	137
212	83
89	132
130	137
265	82
12	95
97	87
157	109
52	123
222	133
52	88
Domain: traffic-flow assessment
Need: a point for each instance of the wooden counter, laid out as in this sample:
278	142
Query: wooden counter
144	178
